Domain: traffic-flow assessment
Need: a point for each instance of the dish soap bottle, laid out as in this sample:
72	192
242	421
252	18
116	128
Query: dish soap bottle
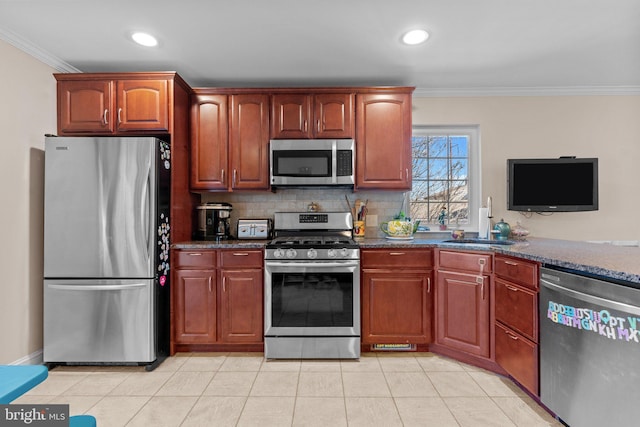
503	228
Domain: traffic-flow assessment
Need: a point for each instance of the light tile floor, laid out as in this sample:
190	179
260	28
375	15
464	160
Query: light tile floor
242	389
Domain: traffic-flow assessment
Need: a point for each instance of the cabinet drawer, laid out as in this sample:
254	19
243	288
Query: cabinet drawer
518	356
517	307
241	259
468	261
194	258
523	272
401	257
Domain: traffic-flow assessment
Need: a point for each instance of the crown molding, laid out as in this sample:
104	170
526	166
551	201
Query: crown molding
527	91
36	52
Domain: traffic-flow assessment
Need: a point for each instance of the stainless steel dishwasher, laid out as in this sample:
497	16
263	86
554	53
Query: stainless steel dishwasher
589	349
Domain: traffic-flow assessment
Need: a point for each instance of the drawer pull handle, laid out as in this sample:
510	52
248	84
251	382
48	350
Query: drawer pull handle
511	288
396	253
240	254
510	335
195	254
104	117
428	285
511	263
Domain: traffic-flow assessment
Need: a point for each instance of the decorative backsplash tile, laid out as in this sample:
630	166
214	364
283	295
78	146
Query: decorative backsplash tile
385	204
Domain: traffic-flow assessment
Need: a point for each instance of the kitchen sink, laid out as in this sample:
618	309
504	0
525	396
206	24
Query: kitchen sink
480	241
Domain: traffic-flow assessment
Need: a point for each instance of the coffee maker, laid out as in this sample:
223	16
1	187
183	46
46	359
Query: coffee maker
213	221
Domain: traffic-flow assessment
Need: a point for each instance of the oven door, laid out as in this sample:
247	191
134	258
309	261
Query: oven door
312	298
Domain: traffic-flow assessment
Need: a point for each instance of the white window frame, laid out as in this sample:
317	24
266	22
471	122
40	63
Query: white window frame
475	175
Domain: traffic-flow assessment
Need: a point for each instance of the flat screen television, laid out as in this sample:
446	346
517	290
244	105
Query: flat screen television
565	184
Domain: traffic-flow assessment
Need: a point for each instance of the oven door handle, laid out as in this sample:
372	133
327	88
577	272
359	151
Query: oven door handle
312	264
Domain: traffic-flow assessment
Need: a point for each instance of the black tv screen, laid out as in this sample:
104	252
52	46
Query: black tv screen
552	185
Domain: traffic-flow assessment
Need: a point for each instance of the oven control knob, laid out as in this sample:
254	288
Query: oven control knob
312	254
291	253
344	252
331	253
278	253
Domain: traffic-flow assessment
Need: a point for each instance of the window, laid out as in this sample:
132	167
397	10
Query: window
446	176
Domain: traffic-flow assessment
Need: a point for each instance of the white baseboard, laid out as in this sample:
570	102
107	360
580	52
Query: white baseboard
34	358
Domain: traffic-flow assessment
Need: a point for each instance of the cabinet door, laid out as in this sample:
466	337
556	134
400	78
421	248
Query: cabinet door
396	307
383	158
142	105
209	142
333	115
241	306
249	142
85	106
290	116
462	312
195	306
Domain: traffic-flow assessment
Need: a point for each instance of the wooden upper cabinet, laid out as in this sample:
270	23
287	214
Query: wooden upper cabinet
383	135
209	142
322	115
91	105
249	142
142	105
85	106
334	115
290	115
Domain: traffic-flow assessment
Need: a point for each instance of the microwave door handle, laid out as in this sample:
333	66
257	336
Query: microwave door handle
334	162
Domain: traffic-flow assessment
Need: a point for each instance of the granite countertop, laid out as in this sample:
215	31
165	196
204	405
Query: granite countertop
605	260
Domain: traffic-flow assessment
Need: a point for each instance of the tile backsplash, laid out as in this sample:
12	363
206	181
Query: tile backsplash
384	204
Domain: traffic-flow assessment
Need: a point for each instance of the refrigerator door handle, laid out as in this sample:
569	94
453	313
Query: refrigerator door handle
144	214
98	287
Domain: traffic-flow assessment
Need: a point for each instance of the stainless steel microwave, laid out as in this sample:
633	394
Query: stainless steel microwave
309	162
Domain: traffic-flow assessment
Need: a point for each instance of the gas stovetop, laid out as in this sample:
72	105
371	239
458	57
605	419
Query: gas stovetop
307	236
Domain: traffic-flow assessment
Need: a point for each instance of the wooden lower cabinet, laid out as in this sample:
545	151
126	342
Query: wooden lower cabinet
217	299
518	356
396	296
396	307
463	312
241	306
516	326
195	302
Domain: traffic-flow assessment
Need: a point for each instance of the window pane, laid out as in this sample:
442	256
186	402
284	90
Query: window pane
460	146
438	146
459	168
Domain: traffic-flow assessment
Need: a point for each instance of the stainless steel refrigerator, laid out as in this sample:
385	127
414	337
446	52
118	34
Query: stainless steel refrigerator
106	250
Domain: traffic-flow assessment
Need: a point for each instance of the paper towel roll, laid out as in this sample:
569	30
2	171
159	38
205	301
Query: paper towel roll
483	223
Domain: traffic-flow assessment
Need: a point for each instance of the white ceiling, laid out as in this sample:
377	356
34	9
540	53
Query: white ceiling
476	46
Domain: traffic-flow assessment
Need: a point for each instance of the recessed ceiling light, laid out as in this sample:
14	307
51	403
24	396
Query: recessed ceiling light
144	39
415	37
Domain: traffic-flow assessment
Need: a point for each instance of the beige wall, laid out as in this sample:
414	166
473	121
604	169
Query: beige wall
606	127
27	112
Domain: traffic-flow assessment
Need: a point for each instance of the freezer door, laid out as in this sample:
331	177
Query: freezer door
104	321
100	207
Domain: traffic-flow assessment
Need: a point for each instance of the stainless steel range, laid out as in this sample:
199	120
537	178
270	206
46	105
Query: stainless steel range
312	287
